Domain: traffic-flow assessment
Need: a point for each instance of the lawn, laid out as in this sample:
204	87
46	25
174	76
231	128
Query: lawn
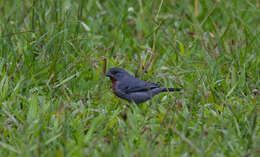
56	100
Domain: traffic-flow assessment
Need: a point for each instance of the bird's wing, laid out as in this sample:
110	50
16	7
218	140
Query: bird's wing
140	85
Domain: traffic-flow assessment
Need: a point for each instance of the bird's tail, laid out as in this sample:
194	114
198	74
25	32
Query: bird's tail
171	89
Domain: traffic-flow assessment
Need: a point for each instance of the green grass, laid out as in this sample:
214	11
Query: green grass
56	101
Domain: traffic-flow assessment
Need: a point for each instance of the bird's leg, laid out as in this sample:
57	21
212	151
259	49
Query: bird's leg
127	106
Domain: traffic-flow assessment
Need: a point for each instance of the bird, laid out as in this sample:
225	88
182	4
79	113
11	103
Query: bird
132	89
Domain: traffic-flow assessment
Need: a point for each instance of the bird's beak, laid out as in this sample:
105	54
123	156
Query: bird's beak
108	74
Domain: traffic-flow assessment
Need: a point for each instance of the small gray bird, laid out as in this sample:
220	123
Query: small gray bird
132	89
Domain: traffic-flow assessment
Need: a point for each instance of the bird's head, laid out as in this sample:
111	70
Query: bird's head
116	73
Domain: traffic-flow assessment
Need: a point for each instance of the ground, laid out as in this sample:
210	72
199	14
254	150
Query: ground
56	101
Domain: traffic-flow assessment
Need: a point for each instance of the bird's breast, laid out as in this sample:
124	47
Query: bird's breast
113	84
116	90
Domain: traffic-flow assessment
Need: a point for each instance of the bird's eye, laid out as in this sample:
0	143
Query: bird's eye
114	72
